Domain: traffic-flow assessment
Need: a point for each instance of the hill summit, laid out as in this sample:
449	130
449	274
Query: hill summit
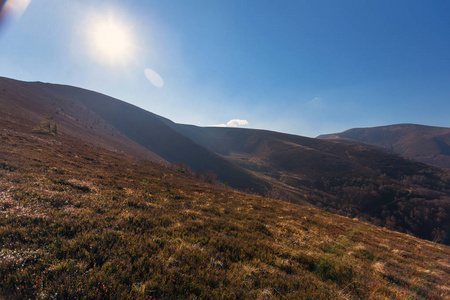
427	144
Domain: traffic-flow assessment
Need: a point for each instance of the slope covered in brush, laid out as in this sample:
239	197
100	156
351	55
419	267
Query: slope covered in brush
33	104
348	179
351	180
115	125
79	221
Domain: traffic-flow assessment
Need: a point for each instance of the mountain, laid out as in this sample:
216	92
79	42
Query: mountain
79	221
115	125
351	180
427	144
34	104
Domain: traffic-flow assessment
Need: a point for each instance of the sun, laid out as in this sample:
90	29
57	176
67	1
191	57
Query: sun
111	40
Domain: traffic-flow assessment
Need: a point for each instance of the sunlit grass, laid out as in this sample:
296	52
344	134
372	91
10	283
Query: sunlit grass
80	222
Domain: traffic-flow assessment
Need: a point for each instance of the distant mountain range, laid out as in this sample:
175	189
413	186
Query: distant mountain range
427	144
346	178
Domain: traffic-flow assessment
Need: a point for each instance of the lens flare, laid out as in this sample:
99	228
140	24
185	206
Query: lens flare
12	9
154	78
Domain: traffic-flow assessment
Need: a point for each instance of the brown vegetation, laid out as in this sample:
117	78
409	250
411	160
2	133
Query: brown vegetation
78	221
347	179
351	180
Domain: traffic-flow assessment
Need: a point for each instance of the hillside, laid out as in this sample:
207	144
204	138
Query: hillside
348	179
114	125
33	104
80	221
351	180
427	144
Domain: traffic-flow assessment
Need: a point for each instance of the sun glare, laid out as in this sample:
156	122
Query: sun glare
111	40
16	7
13	9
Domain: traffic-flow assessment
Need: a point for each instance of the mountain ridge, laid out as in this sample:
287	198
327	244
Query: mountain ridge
137	124
350	180
423	143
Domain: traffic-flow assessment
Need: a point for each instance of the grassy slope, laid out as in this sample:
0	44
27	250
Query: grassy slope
347	179
33	103
114	125
351	180
152	132
80	221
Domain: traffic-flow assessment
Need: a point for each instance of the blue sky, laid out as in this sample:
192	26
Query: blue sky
302	67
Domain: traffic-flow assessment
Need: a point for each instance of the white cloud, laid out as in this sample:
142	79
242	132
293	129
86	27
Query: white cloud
233	123
236	123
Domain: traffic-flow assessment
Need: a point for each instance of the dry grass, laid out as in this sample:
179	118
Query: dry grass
80	222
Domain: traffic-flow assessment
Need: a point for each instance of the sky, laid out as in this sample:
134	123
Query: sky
301	67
